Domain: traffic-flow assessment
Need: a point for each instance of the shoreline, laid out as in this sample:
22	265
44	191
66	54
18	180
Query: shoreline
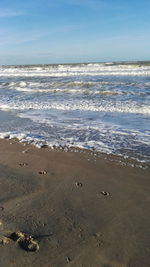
21	128
59	198
91	153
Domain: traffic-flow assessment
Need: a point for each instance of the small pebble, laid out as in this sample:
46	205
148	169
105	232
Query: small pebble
44	146
4	240
7	136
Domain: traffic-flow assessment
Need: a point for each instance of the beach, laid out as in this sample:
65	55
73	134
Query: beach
74	133
74	165
83	210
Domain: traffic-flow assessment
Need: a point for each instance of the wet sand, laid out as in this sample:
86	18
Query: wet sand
83	211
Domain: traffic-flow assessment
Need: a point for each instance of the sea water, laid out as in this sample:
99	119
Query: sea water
100	106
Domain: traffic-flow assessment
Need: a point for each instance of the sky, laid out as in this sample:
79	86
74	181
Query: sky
70	31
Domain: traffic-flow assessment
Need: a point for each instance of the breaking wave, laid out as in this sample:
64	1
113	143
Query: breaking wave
105	106
82	106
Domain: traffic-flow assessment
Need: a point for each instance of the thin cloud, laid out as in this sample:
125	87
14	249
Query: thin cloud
13	37
9	13
18	40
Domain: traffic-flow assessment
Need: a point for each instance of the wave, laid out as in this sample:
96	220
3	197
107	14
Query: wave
66	84
80	91
79	87
76	70
73	83
64	74
68	91
82	106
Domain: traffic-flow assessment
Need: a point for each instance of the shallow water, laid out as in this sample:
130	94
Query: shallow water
104	106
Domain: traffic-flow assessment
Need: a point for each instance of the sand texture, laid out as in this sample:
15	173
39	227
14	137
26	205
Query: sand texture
80	211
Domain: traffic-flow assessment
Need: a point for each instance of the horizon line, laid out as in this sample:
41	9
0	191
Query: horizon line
84	62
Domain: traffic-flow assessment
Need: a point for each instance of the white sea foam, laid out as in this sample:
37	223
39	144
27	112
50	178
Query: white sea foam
75	70
101	106
67	146
67	91
82	106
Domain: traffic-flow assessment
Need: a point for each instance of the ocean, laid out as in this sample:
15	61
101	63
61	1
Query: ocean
104	107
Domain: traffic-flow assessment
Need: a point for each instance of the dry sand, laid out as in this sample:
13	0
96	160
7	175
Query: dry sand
62	207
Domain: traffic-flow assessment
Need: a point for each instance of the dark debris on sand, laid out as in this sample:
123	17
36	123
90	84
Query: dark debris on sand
25	241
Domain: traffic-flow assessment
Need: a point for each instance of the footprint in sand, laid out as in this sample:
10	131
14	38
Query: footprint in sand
104	193
25	151
23	164
68	259
78	184
43	172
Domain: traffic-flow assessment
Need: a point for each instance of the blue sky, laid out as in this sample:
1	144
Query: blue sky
62	31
